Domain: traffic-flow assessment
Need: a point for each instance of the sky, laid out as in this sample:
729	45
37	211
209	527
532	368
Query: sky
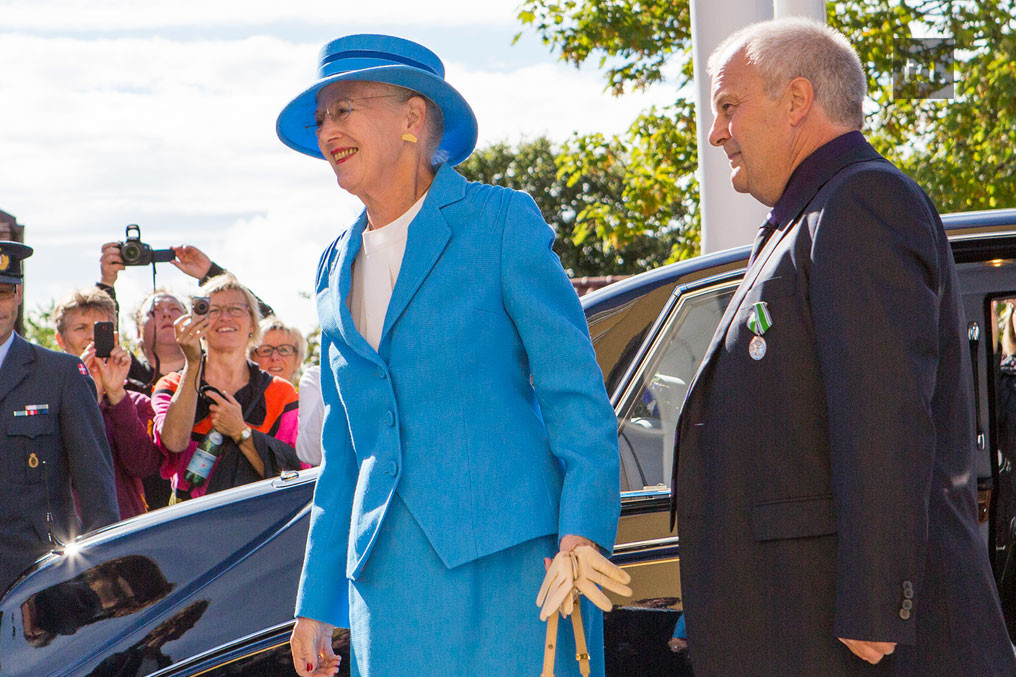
162	113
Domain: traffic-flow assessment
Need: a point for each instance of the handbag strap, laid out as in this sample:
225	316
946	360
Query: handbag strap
581	648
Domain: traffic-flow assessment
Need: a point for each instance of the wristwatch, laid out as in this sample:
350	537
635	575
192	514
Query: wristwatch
245	435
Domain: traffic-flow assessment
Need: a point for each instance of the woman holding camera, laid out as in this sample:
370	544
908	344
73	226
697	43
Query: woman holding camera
218	388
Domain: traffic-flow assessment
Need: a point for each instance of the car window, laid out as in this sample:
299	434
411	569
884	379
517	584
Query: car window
617	331
652	403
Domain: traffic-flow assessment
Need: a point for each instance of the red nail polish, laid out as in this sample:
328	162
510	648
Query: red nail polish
310	667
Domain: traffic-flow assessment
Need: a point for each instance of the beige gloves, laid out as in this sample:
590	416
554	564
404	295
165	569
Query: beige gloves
580	571
569	575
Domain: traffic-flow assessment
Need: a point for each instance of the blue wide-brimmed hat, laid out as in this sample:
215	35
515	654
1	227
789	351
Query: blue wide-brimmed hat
382	58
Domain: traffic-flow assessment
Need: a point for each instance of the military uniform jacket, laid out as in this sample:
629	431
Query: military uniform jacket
827	489
483	407
48	412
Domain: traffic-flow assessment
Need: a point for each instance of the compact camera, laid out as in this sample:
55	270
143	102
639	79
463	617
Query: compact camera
200	305
134	252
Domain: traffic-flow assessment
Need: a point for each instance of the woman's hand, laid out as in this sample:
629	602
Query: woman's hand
91	363
192	261
113	372
226	414
189	330
311	644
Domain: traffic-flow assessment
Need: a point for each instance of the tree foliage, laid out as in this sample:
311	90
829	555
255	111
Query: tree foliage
40	327
961	150
589	206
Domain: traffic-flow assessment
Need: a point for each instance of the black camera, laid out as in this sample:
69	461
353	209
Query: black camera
134	252
199	305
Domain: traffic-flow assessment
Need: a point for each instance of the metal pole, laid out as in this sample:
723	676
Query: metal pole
729	219
811	9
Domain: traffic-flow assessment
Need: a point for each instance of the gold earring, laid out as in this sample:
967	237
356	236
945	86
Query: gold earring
411	138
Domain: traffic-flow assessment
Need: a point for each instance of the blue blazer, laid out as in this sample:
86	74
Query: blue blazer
483	406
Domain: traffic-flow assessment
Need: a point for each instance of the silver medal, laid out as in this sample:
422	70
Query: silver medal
757	348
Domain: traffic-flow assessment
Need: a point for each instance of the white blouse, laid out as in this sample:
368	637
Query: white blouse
375	270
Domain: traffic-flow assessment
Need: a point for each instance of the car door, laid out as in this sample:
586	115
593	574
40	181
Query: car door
663	354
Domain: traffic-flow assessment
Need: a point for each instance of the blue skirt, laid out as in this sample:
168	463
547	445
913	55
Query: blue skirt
412	616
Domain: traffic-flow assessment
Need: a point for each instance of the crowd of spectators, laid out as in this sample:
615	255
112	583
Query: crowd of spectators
230	367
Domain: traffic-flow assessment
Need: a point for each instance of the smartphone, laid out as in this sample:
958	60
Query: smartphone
200	305
103	339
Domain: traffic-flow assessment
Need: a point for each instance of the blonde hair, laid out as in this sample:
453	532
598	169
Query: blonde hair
228	282
83	300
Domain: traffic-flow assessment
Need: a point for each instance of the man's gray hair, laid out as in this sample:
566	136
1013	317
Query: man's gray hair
784	49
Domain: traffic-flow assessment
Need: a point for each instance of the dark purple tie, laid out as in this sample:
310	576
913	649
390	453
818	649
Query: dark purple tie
765	231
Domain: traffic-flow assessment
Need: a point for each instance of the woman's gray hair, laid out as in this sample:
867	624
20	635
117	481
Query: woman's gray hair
433	123
784	49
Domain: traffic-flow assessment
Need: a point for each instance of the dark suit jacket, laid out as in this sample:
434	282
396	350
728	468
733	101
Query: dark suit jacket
827	490
70	438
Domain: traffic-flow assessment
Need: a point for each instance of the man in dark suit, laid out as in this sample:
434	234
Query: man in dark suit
824	481
51	439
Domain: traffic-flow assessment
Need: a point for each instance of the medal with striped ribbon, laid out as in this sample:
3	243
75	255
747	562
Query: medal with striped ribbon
759	322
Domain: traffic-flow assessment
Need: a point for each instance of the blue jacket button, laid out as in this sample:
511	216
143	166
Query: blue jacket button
390	418
381	374
393	469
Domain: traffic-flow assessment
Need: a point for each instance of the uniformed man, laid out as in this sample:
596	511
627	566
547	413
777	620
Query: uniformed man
51	439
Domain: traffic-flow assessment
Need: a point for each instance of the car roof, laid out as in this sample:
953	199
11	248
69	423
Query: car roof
959	225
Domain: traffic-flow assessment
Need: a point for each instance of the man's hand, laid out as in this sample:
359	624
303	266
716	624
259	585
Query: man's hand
872	652
110	263
311	645
192	261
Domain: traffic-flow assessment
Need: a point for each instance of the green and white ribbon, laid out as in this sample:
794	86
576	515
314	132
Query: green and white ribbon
759	320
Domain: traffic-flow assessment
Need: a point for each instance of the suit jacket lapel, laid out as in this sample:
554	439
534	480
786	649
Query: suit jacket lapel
340	280
428	236
862	153
735	302
16	365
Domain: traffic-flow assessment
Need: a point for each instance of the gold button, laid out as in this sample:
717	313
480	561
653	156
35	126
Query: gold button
33	460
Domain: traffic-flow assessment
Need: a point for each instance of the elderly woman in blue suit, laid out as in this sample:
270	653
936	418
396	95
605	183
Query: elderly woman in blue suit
467	432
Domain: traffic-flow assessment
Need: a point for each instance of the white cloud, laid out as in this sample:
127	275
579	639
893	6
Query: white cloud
112	15
179	137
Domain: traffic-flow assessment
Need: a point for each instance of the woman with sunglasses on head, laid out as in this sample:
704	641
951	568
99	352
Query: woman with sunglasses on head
467	432
219	394
281	350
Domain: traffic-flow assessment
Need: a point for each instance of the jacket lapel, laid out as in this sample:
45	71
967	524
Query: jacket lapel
340	280
16	365
862	153
428	236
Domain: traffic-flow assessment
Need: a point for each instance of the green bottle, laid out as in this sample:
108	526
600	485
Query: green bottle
204	458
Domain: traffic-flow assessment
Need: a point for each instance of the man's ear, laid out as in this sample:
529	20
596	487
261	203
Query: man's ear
60	341
801	96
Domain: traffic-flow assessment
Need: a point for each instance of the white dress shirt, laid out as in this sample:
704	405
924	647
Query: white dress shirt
6	348
311	416
375	271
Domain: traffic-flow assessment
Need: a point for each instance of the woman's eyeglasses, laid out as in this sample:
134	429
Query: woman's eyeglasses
284	350
238	310
338	110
